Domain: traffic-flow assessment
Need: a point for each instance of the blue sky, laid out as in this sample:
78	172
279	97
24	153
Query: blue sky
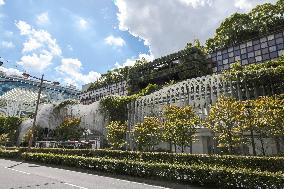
74	41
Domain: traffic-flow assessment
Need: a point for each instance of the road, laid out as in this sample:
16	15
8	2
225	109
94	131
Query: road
15	175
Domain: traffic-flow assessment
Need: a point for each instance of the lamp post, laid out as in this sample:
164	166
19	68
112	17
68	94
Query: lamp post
36	110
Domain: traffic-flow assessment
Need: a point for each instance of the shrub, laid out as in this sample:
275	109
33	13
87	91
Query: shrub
195	174
272	164
9	153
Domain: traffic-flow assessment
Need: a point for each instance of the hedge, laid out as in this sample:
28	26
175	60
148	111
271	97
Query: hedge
9	153
271	164
195	174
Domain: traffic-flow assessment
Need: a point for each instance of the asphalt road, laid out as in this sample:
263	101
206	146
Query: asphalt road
15	175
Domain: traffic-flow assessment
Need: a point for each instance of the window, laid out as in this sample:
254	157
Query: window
278	35
251	60
231	60
263	39
264	51
225	61
243	51
273	55
257	53
251	54
244	56
256	42
237	53
265	57
225	56
271	43
244	62
231	54
258	58
250	49
256	47
279	41
272	49
249	44
264	45
280	46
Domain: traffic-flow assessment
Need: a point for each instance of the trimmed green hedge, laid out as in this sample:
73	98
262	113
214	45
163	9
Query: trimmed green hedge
194	174
271	164
9	153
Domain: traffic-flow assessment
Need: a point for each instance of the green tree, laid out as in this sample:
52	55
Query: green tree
180	126
69	129
116	134
224	120
148	133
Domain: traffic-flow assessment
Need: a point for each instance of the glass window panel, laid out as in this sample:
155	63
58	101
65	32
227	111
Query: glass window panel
219	53
250	49
244	62
264	51
251	60
220	63
265	57
237	53
263	39
264	45
255	42
243	46
226	61
231	60
226	66
244	56
280	46
271	43
225	56
237	58
236	47
273	55
279	40
272	49
231	54
219	57
249	43
251	54
281	53
256	47
243	51
270	37
257	53
258	58
230	49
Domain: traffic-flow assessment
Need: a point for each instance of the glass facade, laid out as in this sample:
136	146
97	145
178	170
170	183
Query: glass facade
249	52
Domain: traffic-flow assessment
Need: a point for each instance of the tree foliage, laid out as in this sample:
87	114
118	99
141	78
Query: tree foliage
180	125
116	134
237	28
224	120
69	129
148	133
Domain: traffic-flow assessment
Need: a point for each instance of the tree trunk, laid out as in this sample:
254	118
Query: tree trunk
252	142
262	144
277	145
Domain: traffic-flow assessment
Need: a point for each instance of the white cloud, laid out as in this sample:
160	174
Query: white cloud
36	61
2	2
7	44
166	25
39	49
244	4
82	23
10	71
42	19
114	41
131	61
71	70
